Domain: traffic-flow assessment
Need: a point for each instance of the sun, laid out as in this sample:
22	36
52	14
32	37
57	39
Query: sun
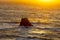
46	0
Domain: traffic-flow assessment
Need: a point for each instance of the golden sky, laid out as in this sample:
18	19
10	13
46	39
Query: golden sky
33	2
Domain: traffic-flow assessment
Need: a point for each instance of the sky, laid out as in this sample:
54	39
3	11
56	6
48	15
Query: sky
33	2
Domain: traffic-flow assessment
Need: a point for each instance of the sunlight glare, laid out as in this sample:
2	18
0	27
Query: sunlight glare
46	0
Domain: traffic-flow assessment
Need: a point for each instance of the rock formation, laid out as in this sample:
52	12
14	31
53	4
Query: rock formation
25	22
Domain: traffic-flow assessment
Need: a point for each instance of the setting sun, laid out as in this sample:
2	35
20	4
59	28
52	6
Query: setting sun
46	0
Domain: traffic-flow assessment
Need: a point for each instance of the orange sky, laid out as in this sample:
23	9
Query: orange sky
30	1
33	2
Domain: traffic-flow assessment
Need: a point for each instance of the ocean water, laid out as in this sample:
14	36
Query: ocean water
46	23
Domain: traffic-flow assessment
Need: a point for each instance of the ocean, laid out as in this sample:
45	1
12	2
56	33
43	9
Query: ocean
45	21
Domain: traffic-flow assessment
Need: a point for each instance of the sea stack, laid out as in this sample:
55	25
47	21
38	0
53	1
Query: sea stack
25	22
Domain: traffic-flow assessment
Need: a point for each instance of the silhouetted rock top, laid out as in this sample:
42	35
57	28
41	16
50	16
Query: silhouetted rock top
25	22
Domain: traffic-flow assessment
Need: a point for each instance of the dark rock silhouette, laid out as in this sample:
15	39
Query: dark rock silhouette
25	22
